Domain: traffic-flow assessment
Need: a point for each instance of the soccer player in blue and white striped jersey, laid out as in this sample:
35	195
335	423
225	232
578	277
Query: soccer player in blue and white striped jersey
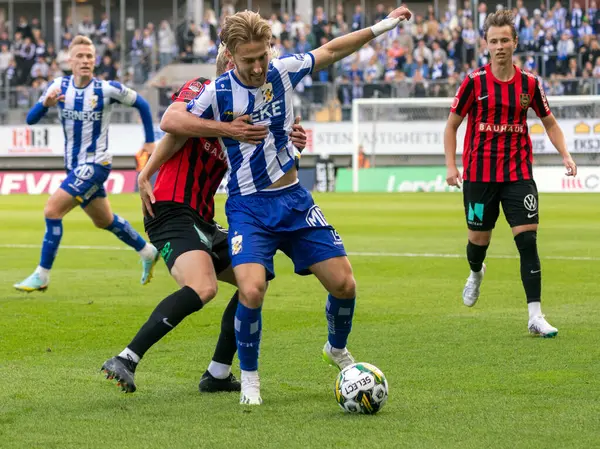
85	104
267	209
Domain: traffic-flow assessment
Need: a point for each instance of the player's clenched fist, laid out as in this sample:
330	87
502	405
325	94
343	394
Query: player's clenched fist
241	129
570	165
298	135
453	177
53	98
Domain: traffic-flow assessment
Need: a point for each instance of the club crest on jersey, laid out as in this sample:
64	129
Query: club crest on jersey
267	91
195	86
93	101
525	99
187	95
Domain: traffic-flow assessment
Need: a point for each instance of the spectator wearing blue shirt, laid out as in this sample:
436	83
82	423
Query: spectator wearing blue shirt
358	18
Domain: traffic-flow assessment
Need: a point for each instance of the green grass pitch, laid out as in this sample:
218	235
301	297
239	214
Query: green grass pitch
459	377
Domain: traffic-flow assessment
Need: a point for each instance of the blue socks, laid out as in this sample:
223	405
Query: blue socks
54	231
339	314
248	329
123	230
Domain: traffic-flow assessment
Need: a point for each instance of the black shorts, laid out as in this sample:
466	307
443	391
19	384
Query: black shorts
177	228
482	201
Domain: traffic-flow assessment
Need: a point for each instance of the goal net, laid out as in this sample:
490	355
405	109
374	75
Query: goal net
399	131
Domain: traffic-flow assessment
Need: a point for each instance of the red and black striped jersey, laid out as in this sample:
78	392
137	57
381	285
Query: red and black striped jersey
497	145
193	175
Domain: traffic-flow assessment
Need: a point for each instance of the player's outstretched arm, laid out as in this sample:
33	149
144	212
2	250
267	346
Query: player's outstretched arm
557	138
177	120
146	115
166	148
453	177
36	113
122	94
342	46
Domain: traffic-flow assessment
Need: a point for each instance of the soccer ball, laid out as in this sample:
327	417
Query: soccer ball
361	388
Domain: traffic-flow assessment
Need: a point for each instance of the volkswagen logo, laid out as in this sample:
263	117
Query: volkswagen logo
530	202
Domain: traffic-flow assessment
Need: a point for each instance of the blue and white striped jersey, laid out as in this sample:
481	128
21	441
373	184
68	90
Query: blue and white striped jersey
85	116
253	168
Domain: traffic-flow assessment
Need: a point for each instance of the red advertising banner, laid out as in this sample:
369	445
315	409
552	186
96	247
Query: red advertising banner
38	182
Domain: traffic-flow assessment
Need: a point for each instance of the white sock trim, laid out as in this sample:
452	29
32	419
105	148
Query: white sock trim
129	354
477	274
219	370
248	375
44	273
147	252
535	309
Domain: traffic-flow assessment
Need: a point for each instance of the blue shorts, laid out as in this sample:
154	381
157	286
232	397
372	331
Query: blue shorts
288	220
86	182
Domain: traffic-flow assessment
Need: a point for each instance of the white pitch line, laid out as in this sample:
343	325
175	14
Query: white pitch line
351	253
461	256
96	248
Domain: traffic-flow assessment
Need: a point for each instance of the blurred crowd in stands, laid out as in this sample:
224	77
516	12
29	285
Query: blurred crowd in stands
427	56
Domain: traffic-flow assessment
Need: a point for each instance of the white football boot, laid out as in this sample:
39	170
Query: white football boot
148	264
471	290
539	326
33	283
250	394
340	358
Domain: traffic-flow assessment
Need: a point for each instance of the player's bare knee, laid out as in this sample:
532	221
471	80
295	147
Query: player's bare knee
345	288
480	241
103	222
252	295
52	212
206	291
480	238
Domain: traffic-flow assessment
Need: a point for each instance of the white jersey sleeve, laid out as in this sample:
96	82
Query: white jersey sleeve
119	93
52	86
298	66
205	103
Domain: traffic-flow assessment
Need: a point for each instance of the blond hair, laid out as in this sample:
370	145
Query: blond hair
500	19
222	60
244	27
80	40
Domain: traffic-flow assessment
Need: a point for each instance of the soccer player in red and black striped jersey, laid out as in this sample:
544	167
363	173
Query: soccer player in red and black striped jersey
179	219
497	158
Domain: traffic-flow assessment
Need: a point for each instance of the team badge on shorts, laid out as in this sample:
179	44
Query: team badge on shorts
236	244
525	99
